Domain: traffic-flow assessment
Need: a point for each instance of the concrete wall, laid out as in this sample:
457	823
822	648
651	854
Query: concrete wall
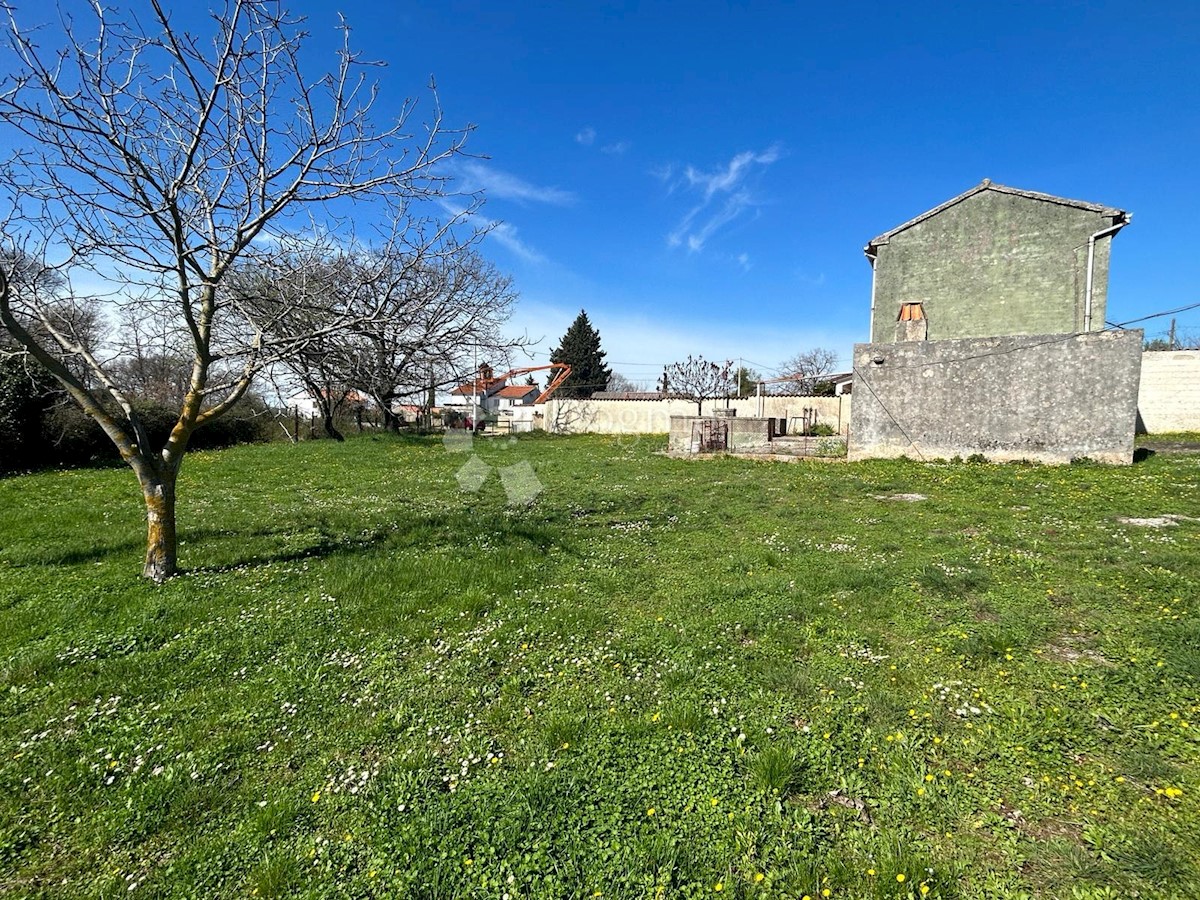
1046	398
744	433
1169	395
654	416
994	264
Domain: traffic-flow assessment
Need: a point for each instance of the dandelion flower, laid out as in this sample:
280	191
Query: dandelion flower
900	878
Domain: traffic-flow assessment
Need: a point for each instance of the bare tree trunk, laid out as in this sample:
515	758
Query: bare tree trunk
162	546
330	427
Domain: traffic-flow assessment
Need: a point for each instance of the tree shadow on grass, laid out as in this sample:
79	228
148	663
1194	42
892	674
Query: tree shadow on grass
425	532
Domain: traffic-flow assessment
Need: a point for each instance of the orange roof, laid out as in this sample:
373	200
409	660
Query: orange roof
517	391
480	386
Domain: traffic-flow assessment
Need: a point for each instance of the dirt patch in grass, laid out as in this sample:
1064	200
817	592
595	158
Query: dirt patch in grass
1073	648
1168	521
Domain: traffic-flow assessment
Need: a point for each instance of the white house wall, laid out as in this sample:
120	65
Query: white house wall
1169	395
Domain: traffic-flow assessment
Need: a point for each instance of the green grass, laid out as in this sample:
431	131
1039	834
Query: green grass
658	678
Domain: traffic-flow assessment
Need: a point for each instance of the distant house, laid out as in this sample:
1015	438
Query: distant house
480	391
491	394
843	382
515	395
993	261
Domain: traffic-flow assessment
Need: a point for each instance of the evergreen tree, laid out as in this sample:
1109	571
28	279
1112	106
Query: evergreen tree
580	349
747	382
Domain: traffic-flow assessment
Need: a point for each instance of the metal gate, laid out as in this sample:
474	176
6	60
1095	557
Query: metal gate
710	435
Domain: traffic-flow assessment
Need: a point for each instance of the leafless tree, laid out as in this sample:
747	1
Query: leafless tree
698	380
157	159
438	315
618	383
804	370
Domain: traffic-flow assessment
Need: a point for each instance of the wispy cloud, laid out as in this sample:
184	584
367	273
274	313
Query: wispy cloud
724	196
587	137
503	233
506	236
498	184
744	261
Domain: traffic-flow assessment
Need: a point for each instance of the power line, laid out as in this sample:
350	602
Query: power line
1159	315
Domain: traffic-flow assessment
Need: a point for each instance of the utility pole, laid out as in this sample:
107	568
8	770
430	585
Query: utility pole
1171	339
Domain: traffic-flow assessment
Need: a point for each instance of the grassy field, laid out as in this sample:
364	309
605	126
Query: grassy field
660	678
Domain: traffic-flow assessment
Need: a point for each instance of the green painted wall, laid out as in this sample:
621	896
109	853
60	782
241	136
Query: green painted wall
994	264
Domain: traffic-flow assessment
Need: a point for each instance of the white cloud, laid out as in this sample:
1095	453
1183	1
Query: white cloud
506	236
502	185
665	174
586	136
744	261
617	148
503	233
725	196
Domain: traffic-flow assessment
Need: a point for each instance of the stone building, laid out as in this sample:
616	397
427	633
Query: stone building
987	335
993	261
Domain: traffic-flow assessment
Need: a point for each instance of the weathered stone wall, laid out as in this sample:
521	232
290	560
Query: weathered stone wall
1169	395
1046	398
994	264
654	416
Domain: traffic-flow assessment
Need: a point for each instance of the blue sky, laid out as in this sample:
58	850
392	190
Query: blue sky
701	177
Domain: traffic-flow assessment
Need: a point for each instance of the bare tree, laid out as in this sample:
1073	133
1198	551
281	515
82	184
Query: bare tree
438	314
804	370
618	383
698	380
159	159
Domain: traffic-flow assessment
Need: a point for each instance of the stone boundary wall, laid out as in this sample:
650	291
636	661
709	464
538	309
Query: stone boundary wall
654	416
1045	398
1169	394
745	433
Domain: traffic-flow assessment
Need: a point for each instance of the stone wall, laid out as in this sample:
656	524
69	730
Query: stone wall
654	416
1169	395
994	264
744	434
1046	398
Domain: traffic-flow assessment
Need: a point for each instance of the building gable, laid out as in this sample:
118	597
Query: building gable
994	261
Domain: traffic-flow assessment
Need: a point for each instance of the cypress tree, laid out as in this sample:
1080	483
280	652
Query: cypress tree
580	349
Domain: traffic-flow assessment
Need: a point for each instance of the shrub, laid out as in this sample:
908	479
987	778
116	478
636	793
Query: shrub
69	437
23	401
